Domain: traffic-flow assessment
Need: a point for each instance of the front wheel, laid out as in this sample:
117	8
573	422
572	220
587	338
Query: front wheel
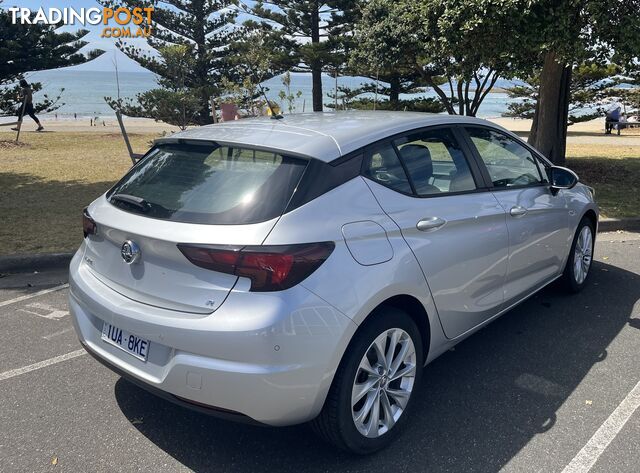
580	257
373	389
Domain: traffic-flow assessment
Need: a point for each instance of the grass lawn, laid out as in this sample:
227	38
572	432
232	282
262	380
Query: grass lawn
614	172
47	181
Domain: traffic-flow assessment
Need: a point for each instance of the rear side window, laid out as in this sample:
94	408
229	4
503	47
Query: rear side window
509	163
381	164
435	162
210	184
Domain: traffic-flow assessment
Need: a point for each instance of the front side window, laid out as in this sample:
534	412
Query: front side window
435	162
381	164
509	163
209	183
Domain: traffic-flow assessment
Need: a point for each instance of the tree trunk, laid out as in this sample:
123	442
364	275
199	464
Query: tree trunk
316	92
202	70
316	65
394	92
549	128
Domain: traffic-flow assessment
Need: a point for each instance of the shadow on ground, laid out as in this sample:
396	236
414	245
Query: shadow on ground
616	182
41	215
479	404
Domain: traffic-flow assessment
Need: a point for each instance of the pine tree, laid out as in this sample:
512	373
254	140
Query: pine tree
204	26
313	29
591	83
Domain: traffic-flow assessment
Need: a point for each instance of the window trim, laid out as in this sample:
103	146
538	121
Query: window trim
483	167
478	178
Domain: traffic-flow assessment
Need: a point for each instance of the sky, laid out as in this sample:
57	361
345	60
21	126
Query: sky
104	62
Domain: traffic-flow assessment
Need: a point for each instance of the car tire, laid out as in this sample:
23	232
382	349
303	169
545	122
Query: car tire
580	260
337	422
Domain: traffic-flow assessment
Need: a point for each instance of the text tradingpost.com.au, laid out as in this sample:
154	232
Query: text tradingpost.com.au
138	16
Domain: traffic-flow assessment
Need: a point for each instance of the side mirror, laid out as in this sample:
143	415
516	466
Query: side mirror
562	178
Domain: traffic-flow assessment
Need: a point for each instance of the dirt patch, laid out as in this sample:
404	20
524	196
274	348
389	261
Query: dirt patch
119	135
11	144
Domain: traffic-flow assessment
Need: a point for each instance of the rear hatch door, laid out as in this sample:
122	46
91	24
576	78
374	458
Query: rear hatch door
200	194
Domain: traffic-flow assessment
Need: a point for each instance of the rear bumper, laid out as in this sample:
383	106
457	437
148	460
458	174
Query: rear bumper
270	357
209	410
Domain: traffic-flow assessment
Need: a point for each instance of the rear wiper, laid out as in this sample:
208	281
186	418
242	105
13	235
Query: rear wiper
138	202
141	204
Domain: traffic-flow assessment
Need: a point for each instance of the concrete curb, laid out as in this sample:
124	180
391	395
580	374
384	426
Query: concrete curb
52	261
615	224
35	262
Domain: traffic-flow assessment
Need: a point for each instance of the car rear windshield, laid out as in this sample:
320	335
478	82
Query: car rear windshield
209	183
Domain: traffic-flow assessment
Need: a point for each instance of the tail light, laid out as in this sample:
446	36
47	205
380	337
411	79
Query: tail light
270	268
89	226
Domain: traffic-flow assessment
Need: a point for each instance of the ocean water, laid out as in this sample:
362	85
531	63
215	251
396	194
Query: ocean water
84	91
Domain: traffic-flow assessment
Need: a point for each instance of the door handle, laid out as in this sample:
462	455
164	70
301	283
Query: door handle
517	211
430	223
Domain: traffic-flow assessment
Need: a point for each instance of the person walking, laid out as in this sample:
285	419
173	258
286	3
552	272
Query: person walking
26	96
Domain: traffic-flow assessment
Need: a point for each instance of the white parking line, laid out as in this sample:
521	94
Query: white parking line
44	310
41	364
588	456
57	334
35	294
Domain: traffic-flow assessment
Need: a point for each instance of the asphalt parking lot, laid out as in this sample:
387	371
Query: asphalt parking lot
553	386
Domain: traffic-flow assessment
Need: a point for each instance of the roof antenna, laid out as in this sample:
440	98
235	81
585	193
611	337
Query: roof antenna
274	116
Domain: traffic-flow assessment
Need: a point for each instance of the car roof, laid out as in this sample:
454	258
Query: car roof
322	135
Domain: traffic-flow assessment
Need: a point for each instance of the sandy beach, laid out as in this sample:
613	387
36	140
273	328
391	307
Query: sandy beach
580	133
105	125
590	132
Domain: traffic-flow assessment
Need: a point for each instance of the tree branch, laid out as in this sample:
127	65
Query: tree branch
478	92
430	82
451	92
484	94
466	97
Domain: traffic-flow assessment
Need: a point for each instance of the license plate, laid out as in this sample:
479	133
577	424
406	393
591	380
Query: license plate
132	344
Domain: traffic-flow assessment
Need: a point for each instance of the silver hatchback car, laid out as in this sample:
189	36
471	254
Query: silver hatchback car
306	268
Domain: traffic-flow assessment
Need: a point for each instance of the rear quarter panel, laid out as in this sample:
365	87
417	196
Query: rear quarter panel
356	289
579	201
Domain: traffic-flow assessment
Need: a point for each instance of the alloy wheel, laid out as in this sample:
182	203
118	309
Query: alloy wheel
383	383
583	254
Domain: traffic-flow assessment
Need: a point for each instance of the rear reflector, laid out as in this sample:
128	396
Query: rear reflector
89	227
270	268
